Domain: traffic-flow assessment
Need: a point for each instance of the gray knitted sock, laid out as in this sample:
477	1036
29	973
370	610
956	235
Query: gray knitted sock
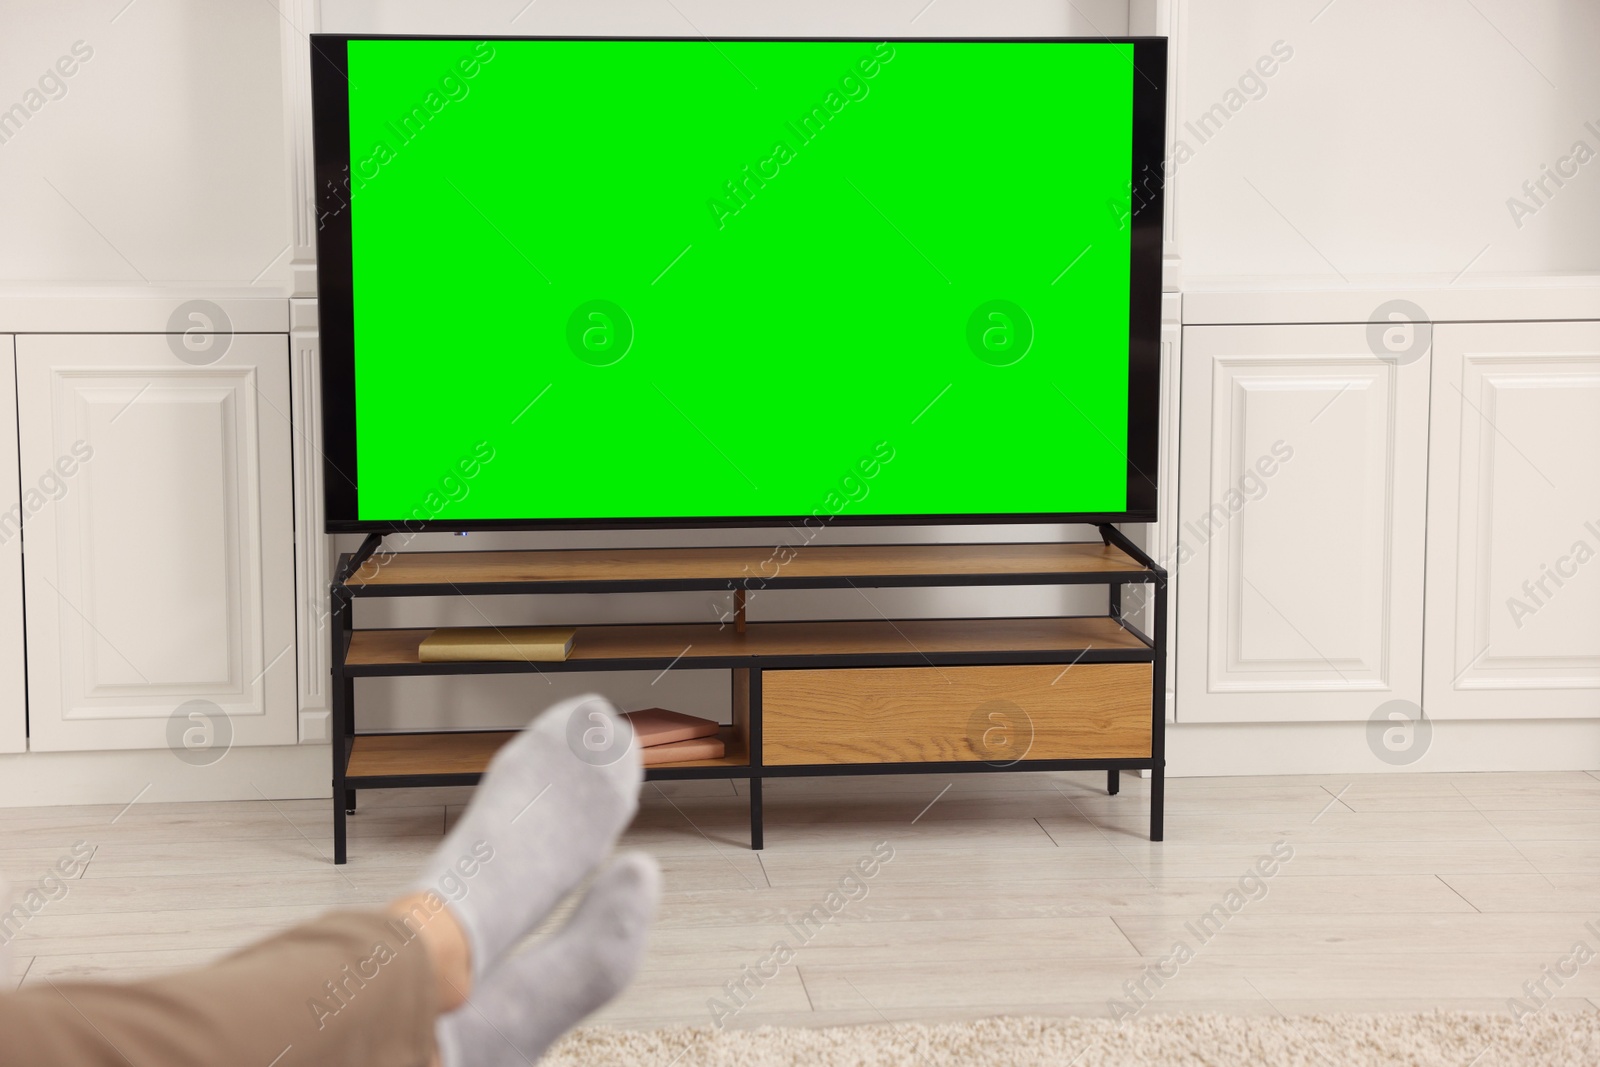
534	998
547	811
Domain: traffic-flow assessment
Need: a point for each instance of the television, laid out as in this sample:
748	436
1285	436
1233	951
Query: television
655	282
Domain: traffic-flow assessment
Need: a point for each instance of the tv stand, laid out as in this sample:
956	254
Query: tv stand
824	697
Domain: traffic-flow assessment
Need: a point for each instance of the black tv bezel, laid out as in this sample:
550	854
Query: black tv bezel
336	325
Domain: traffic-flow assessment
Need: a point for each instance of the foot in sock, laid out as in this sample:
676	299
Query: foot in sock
533	998
542	818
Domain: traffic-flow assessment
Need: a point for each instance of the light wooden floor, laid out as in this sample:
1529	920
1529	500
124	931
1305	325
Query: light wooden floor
1006	894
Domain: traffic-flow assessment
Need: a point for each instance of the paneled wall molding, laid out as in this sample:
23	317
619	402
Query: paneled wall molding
159	579
301	18
1301	546
1163	541
316	727
1514	522
312	568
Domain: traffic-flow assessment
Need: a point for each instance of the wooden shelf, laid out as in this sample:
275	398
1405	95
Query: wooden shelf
386	755
688	643
761	565
393	755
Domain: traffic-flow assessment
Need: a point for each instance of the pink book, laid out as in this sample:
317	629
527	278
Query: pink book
681	751
658	726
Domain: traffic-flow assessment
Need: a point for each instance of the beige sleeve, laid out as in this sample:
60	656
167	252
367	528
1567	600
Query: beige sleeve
350	989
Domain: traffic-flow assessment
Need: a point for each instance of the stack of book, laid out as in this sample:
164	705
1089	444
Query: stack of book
673	737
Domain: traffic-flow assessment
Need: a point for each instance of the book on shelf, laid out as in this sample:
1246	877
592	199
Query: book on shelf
673	737
681	751
658	726
469	644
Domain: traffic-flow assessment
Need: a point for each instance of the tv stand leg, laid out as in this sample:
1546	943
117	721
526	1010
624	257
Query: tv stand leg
755	815
1158	790
339	854
1113	782
349	801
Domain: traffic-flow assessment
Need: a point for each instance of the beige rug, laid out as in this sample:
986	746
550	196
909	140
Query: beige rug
1445	1039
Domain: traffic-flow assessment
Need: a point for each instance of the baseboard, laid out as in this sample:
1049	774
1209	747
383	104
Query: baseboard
1211	749
1193	750
153	775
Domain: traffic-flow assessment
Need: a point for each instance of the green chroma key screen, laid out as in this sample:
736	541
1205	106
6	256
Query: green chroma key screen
688	279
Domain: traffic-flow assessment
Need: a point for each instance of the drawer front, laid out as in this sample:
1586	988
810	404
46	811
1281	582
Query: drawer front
950	714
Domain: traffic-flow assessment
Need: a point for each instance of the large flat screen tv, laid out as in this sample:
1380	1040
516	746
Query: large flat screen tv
598	282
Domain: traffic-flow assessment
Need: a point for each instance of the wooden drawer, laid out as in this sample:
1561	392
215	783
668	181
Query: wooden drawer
940	714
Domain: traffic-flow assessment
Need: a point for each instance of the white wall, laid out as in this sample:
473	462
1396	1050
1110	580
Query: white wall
1391	140
160	160
844	18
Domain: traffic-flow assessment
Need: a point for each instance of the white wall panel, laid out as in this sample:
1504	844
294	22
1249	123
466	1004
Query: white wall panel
1301	525
162	572
1514	522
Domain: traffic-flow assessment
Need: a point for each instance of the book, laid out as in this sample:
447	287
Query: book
681	751
658	726
461	644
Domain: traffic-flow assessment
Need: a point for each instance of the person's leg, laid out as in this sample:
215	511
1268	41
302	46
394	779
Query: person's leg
366	988
445	943
546	813
351	988
535	997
